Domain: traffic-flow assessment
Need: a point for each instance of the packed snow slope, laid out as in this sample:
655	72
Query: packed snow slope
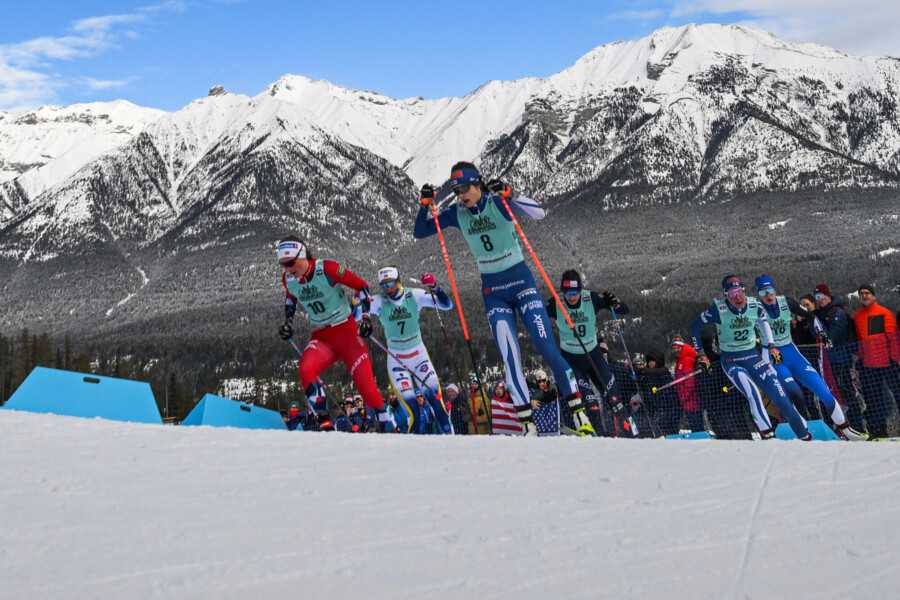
95	509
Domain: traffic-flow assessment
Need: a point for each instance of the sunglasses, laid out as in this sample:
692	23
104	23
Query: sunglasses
289	264
818	295
461	189
766	291
389	283
540	381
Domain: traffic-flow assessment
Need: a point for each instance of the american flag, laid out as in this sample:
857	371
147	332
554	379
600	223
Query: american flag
546	418
504	419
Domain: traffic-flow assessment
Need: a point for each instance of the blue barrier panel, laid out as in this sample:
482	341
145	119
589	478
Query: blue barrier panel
217	411
694	435
819	429
81	395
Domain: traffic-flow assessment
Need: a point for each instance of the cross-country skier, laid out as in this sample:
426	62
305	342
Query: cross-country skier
738	319
794	369
583	306
507	285
318	286
398	310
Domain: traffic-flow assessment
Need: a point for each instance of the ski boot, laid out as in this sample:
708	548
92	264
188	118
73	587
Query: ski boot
845	432
583	423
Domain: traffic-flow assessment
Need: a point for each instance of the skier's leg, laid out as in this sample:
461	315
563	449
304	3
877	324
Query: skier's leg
537	322
402	384
317	357
740	378
354	353
791	386
808	377
766	378
426	371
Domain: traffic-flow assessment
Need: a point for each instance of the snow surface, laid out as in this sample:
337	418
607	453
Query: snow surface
110	510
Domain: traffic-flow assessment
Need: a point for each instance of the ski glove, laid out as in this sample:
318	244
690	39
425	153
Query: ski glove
428	280
500	188
286	332
610	299
703	361
775	355
365	326
426	196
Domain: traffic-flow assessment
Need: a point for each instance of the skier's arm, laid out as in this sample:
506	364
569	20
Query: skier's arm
766	337
290	301
339	274
425	226
440	300
709	316
521	205
601	303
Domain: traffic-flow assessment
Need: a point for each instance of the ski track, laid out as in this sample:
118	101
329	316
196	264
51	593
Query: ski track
93	508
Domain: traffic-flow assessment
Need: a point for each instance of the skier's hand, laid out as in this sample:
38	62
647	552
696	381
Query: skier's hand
775	355
426	196
428	280
703	361
501	189
610	299
365	326
286	332
604	347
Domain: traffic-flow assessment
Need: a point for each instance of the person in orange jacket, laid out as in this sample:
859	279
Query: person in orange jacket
879	354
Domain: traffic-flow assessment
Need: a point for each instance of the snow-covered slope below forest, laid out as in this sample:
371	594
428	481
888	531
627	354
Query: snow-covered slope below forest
100	509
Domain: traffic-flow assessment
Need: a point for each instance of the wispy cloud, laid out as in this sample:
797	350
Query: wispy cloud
106	84
26	77
856	26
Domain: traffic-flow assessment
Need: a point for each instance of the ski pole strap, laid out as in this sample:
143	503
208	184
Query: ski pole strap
681	379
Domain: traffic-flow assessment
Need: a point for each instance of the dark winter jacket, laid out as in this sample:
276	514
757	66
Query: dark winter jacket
837	323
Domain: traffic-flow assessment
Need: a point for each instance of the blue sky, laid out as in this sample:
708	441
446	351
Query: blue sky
166	54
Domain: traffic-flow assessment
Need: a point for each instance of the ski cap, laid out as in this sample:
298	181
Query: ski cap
291	250
541	375
730	282
388	274
677	341
764	281
571	281
464	175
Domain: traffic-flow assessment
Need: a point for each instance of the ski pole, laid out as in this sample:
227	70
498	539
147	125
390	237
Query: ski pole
634	378
400	362
684	377
549	284
459	311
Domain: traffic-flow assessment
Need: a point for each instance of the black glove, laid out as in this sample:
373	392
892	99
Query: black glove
705	365
610	299
426	196
498	187
365	326
825	339
286	332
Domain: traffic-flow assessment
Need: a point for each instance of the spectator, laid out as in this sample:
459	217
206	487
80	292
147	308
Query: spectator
295	420
662	414
802	333
460	411
546	407
479	405
834	319
879	353
504	419
342	421
398	412
688	396
362	420
423	422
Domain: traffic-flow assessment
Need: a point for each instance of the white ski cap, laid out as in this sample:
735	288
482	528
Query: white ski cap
289	250
388	273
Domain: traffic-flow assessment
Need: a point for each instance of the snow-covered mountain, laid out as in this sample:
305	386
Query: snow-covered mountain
695	112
